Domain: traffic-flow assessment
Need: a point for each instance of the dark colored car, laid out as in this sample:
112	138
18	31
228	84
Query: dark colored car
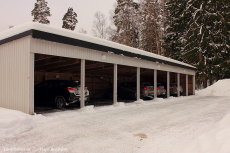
127	90
172	88
161	92
59	92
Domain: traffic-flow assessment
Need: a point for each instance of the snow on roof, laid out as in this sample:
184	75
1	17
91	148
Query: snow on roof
84	37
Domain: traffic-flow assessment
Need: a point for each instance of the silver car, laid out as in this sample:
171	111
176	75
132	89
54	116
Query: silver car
147	90
172	89
127	90
161	92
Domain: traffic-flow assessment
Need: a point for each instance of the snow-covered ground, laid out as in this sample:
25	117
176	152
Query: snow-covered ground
221	88
193	124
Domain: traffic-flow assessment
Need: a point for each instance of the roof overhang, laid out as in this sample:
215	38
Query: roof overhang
59	35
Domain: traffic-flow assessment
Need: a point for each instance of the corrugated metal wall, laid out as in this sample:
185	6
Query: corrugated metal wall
15	74
52	48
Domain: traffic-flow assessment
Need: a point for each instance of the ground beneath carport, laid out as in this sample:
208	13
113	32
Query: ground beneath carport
161	125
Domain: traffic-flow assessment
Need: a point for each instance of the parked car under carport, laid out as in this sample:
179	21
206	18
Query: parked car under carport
127	90
172	88
59	92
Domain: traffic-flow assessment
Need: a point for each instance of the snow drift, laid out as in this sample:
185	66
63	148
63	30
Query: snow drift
215	140
14	122
220	88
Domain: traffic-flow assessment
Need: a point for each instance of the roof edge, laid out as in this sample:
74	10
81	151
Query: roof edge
60	35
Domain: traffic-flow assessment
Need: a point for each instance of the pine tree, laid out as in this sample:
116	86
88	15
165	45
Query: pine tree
151	26
177	24
199	34
126	21
70	19
208	38
40	12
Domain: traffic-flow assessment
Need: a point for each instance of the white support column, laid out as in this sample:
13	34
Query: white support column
178	85
186	84
115	84
82	96
138	83
168	84
193	84
155	84
31	85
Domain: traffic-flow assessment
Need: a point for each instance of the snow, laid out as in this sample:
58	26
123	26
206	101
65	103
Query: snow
194	124
215	140
71	34
221	88
14	122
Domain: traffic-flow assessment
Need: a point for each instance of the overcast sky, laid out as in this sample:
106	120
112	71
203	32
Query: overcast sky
15	12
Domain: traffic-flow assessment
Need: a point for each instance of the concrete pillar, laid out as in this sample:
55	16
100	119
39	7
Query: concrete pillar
168	84
82	101
138	83
178	84
155	84
115	84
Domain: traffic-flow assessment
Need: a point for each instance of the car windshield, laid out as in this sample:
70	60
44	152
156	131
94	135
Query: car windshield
146	84
72	84
159	84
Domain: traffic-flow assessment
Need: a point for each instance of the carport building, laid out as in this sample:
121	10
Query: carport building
32	52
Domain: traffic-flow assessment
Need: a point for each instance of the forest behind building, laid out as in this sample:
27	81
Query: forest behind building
196	32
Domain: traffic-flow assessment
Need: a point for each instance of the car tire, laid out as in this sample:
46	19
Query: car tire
60	102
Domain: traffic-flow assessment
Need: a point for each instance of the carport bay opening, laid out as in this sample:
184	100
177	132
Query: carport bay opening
99	75
63	60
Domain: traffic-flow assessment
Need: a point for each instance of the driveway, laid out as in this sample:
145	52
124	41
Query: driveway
161	125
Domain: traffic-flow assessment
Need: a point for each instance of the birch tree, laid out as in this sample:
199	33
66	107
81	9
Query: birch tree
99	25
